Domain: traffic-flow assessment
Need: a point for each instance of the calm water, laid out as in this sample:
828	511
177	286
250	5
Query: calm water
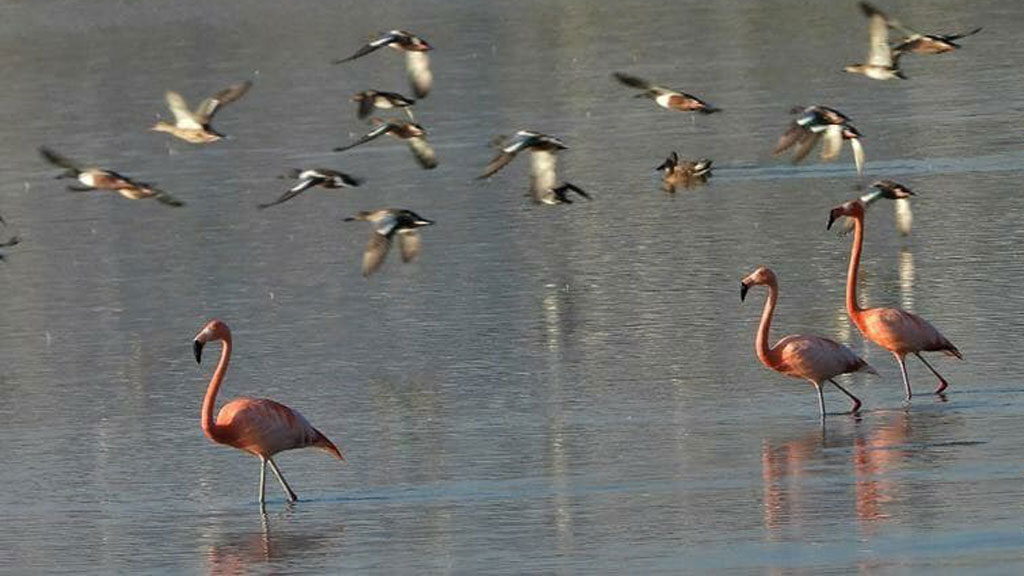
561	390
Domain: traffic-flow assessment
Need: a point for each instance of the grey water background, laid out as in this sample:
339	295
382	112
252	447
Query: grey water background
559	390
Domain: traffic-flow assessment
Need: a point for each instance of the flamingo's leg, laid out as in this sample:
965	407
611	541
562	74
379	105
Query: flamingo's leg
284	484
821	398
856	401
903	369
942	381
263	480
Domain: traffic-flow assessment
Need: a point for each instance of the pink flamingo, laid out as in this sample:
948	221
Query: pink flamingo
812	358
258	426
896	330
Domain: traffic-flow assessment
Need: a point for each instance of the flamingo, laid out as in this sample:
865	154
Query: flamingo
258	426
896	330
812	358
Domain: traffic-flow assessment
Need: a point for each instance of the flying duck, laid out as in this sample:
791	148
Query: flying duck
194	126
323	177
412	133
888	190
811	125
387	223
370	99
100	179
417	63
917	42
666	97
544	185
883	61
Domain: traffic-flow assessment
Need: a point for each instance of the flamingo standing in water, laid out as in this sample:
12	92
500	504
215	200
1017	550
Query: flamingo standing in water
896	330
812	358
258	426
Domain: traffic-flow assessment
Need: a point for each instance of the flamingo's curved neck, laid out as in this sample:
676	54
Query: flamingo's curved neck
761	345
210	401
852	307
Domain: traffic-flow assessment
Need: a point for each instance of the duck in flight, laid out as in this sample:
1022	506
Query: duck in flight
412	133
666	97
889	190
883	62
544	185
417	63
194	126
388	223
917	42
816	123
323	177
371	99
676	173
101	179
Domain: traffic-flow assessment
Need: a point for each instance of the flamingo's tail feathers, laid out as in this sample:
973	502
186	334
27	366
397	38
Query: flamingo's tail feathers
324	443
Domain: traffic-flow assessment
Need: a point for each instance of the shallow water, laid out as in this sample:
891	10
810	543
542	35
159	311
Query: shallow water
560	390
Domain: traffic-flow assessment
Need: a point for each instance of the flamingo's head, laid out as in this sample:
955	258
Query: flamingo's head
213	331
853	209
762	275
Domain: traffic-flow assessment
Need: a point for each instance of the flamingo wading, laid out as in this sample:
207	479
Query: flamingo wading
896	330
259	426
812	358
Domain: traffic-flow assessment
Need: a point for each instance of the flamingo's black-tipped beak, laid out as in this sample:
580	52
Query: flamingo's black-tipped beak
197	349
743	291
832	217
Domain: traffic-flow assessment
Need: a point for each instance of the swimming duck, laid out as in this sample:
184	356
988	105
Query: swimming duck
917	42
811	125
666	97
544	185
194	126
412	133
388	222
883	61
417	63
685	174
323	177
370	99
889	190
100	179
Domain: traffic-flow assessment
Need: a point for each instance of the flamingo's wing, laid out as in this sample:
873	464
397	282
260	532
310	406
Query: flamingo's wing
409	243
183	117
376	249
211	105
417	65
423	152
377	132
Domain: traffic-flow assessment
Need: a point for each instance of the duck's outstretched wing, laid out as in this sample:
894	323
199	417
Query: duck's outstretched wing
165	198
879	50
858	155
372	46
423	152
543	175
12	241
790	137
57	160
566	187
632	81
833	142
409	242
377	132
294	191
807	144
375	252
211	105
183	117
417	65
497	163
